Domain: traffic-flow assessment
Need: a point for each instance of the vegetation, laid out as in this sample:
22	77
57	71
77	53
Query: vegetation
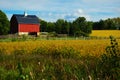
108	24
83	47
4	23
110	62
53	60
79	27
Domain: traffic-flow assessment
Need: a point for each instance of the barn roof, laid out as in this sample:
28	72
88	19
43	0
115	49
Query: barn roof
29	19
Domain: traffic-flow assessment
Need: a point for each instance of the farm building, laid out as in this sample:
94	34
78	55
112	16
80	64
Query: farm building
24	24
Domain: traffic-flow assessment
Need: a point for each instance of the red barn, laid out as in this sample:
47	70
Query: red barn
24	24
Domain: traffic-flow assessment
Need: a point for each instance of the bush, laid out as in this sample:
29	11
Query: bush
110	62
81	33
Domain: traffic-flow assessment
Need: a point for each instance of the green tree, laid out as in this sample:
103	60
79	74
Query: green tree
43	26
108	24
111	24
4	24
59	24
88	27
65	28
117	23
70	29
50	27
80	26
101	25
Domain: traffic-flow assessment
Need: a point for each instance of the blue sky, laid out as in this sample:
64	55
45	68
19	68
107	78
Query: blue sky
51	10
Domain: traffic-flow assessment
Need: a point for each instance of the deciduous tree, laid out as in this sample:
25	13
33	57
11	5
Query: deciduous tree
4	23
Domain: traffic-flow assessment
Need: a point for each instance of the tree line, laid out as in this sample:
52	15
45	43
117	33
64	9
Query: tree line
108	24
78	27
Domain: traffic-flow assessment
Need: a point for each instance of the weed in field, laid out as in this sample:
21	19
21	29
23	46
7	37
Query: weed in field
110	62
59	60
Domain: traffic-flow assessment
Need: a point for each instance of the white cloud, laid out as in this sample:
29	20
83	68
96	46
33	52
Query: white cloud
80	11
70	16
77	13
66	9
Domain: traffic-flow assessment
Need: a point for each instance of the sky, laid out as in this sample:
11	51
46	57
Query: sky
52	10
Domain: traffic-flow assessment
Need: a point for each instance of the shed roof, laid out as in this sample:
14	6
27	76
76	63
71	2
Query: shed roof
29	19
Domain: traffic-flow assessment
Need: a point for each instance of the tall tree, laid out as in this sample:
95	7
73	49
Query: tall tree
4	24
81	27
43	26
117	23
50	27
65	28
59	24
111	24
88	27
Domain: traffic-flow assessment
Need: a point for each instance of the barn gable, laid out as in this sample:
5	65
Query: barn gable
24	24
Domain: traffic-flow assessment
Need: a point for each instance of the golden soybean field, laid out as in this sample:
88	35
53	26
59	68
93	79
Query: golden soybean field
93	47
84	47
106	33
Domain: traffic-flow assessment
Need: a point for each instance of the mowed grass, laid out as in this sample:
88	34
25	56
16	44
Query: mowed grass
83	47
106	33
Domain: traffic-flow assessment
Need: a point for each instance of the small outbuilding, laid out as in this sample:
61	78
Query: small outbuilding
24	24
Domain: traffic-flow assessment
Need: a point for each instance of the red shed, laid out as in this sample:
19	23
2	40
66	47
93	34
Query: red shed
24	24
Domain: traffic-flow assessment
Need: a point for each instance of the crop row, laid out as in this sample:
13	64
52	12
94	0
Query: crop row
83	47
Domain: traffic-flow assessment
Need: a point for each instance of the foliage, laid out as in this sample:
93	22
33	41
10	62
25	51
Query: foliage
59	60
110	62
80	33
108	24
4	23
80	24
43	26
50	27
22	76
61	26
